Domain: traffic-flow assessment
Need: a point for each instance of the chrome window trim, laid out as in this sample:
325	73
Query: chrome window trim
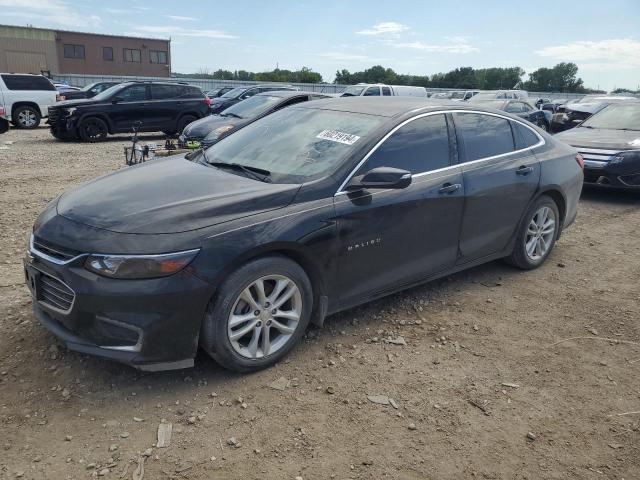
541	142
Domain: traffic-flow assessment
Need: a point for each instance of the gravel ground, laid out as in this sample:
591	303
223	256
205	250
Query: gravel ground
480	387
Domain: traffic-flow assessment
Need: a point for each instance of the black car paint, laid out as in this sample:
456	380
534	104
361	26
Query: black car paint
355	247
597	146
221	103
198	130
120	116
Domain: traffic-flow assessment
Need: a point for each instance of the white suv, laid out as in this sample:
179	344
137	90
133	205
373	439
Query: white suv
26	98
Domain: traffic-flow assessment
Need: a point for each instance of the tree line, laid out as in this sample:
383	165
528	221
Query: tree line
561	78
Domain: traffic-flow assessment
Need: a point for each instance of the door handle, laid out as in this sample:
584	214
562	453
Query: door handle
524	170
449	188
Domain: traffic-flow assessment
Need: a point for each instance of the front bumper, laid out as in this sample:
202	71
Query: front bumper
150	324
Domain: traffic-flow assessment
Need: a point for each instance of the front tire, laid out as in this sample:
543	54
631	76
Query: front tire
26	117
93	129
537	234
259	313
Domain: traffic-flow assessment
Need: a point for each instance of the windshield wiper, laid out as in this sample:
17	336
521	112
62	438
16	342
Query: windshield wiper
231	114
254	172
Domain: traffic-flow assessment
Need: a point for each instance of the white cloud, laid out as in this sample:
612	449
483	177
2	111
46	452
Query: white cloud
180	18
181	32
52	11
384	28
617	52
457	45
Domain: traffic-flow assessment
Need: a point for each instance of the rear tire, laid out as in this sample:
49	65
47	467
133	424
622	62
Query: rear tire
537	234
93	129
25	117
268	298
184	121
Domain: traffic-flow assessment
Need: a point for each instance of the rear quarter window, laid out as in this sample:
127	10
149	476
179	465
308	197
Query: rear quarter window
483	136
524	137
192	92
27	82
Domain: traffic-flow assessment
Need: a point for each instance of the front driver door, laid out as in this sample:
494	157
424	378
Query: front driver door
132	107
391	238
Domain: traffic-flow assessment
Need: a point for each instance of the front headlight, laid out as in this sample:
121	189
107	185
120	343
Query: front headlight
139	266
219	132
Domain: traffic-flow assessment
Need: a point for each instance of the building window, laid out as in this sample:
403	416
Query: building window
107	54
157	56
73	51
131	55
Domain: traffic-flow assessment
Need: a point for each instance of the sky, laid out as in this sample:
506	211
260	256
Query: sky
412	37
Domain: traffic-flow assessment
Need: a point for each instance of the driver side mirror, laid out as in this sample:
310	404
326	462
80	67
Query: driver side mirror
380	177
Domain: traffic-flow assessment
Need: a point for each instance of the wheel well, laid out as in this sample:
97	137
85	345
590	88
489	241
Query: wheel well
557	197
310	268
25	104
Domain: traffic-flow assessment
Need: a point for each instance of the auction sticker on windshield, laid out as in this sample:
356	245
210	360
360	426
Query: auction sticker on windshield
340	137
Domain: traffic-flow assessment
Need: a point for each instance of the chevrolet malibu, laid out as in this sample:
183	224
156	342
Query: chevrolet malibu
311	210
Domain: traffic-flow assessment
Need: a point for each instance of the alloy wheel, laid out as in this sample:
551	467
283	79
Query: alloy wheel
27	118
264	316
94	130
540	233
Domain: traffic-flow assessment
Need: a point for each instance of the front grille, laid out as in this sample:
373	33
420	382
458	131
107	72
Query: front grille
54	293
596	157
55	114
53	250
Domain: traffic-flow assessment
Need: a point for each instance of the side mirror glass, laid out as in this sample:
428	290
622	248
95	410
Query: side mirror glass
381	177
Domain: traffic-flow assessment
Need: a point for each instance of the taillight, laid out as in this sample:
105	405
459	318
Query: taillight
580	160
207	101
60	98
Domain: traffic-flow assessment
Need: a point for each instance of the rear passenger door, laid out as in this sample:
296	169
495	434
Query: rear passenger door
501	175
392	238
164	106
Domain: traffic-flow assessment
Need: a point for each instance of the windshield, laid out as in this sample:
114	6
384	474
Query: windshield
353	91
106	94
616	117
457	95
89	87
295	144
233	93
251	107
486	96
491	103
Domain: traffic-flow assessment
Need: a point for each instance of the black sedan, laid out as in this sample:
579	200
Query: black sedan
311	210
242	93
522	109
218	92
609	142
208	130
89	91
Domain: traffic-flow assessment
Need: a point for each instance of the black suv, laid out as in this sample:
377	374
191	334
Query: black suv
241	93
152	106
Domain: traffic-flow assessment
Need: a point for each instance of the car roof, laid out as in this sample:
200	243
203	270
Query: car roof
283	93
383	106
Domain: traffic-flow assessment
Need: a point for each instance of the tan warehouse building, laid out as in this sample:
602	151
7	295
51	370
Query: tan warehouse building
36	50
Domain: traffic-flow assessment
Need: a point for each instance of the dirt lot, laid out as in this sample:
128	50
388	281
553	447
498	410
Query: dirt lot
480	372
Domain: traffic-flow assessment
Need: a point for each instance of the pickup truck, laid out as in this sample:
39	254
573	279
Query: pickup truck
26	98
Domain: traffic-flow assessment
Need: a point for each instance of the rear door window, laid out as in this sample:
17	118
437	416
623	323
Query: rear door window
386	91
164	92
483	136
27	82
419	146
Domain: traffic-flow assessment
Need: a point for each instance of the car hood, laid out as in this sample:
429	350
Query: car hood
203	126
75	103
170	195
600	138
